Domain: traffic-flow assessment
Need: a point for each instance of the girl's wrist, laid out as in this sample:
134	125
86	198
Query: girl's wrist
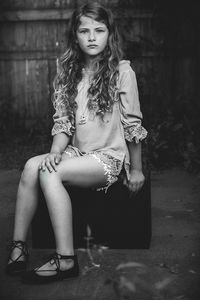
56	151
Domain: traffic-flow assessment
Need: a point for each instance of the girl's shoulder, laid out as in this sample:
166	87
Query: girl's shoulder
124	66
126	73
125	69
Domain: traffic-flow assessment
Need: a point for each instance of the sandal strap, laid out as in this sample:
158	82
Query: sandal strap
66	256
21	245
55	258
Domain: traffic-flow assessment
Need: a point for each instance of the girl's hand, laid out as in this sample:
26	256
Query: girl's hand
50	162
136	181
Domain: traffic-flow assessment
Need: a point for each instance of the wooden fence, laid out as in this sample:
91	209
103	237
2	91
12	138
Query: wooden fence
33	34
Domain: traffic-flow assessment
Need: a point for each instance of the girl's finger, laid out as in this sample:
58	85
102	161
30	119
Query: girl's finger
135	187
132	188
53	164
49	166
42	166
57	159
139	186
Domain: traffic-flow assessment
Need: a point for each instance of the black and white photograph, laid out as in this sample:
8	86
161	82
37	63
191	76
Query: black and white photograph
99	150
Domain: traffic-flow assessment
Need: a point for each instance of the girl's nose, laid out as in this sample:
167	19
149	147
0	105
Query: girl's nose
92	36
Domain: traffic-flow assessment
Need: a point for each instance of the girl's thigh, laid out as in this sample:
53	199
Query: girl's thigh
36	160
83	171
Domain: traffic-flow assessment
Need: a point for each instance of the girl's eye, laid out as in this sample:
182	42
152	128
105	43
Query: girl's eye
97	30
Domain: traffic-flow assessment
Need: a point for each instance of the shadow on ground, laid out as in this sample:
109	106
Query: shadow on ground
169	270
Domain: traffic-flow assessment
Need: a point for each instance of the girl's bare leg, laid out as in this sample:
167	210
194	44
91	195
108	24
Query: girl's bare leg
81	171
27	198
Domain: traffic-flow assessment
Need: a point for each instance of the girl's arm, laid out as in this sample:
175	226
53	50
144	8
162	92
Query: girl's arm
136	178
60	142
135	152
131	118
62	132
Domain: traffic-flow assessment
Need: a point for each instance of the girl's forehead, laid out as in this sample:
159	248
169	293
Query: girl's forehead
89	22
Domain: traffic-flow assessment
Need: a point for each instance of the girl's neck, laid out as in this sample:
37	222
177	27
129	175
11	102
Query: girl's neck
90	63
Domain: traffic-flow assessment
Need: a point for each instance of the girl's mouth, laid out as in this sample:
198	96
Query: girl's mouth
92	46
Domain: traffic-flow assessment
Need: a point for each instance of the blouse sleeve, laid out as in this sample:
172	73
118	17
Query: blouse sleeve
61	120
131	115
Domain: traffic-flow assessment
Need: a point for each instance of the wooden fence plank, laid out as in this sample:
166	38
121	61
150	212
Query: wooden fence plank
37	88
66	4
63	14
28	89
31	36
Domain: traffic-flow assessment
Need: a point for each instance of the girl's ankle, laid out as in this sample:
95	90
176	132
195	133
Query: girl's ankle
65	252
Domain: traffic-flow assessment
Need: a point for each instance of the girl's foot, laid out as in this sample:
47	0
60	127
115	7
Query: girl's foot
57	267
18	258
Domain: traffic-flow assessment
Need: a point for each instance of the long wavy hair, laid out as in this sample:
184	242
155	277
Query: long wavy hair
103	89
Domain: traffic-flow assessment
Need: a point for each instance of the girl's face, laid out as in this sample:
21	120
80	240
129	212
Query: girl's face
92	36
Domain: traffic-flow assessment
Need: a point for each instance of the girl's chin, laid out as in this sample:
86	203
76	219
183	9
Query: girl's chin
92	52
92	55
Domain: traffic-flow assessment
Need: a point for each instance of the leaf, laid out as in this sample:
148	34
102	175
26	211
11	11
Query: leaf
96	265
104	247
131	264
82	249
177	127
192	271
180	297
124	282
162	284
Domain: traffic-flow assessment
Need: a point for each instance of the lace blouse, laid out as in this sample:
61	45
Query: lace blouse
123	124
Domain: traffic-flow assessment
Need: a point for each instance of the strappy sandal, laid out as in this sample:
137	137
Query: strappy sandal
16	266
32	276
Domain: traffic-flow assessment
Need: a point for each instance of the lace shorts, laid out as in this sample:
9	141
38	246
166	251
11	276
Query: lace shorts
112	166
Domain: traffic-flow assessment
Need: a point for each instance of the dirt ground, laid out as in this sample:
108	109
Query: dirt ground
169	270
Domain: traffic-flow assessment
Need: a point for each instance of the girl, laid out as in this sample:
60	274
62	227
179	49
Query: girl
97	135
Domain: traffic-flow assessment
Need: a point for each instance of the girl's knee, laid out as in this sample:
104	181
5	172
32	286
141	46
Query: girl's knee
30	170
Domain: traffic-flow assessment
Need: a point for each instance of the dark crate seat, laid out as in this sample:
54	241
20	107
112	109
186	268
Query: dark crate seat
116	219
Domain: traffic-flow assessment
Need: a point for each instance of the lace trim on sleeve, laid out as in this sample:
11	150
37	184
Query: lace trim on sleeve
63	126
136	132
